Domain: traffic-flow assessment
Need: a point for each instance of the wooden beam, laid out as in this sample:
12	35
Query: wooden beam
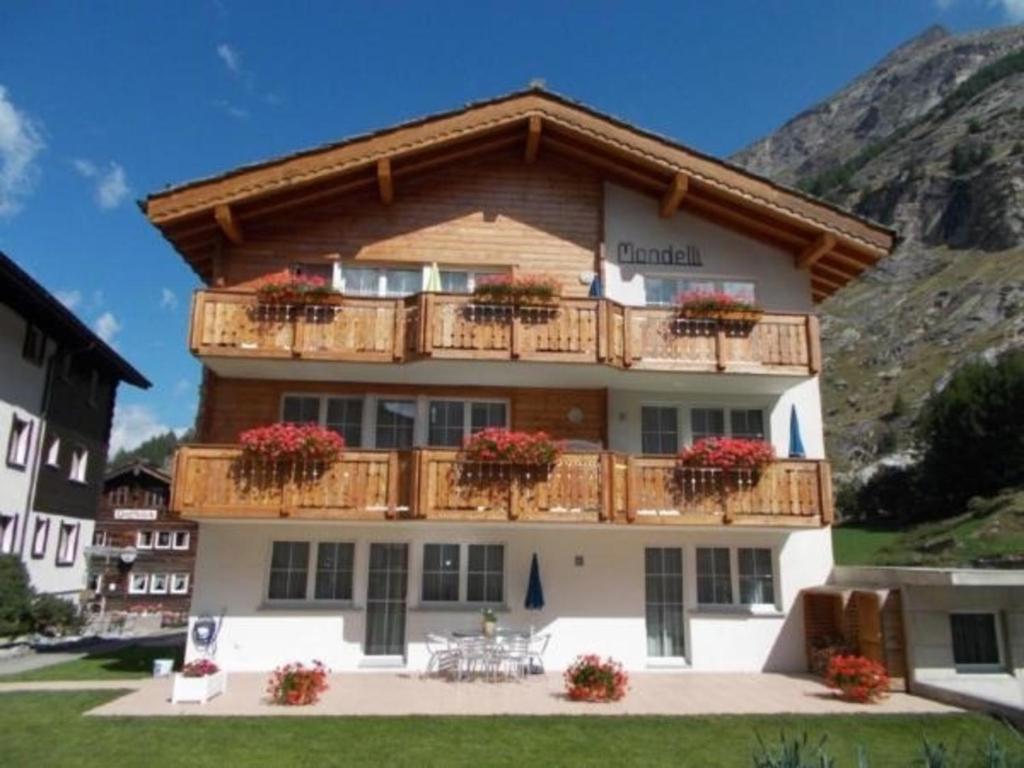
228	224
532	139
820	247
384	181
674	195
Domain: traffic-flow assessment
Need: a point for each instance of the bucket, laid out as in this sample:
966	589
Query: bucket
162	667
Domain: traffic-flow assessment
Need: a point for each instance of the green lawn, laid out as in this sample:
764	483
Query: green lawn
854	544
134	661
44	729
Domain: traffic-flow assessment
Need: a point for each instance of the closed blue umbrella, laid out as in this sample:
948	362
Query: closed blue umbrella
534	591
596	289
796	445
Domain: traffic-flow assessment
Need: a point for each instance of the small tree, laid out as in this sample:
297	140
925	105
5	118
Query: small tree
15	597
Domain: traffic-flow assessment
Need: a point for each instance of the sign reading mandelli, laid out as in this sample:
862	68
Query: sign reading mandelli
669	256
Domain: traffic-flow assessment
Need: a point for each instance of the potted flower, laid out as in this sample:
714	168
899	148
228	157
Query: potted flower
717	305
857	678
290	288
728	453
199	681
291	442
518	290
503	446
296	685
591	679
488	622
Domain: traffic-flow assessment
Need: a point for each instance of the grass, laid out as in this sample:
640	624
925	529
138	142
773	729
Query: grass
859	544
30	738
127	663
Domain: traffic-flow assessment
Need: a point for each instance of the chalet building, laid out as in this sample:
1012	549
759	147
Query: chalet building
657	562
141	556
57	397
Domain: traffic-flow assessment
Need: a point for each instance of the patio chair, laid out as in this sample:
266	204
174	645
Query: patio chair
444	655
538	644
476	655
516	655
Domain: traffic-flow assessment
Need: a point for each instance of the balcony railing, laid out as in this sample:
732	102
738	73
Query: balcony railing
437	484
356	329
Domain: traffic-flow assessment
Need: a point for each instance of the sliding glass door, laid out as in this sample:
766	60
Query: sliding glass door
385	599
663	568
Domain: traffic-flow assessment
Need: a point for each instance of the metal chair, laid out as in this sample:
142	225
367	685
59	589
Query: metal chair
537	645
476	655
444	655
516	655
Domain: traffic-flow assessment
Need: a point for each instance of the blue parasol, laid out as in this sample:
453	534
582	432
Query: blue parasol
796	445
534	591
596	288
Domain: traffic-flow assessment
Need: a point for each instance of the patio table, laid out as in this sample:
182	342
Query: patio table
495	648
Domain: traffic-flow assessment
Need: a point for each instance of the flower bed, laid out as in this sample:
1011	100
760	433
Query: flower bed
591	679
728	453
716	305
293	289
521	290
199	681
290	442
297	685
199	668
857	678
497	445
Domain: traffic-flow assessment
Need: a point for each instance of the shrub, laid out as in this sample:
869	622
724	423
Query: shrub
728	453
591	679
298	685
200	668
712	304
518	289
505	446
290	442
15	597
293	289
796	752
859	679
54	616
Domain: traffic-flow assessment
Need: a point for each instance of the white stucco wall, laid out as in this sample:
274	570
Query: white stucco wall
45	573
633	218
598	607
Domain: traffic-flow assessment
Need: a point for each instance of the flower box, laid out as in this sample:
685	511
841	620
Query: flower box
293	289
728	453
200	690
717	306
502	446
519	290
292	442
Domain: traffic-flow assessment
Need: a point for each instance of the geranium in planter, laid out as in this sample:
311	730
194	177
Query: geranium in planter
297	685
728	453
857	678
292	442
717	305
293	289
502	446
591	679
198	681
518	290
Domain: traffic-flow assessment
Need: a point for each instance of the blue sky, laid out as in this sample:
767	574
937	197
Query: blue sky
102	102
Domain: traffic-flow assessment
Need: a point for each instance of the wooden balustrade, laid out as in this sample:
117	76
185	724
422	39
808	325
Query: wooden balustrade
360	329
437	484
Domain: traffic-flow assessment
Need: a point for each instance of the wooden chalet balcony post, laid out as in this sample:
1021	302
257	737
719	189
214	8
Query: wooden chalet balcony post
720	348
427	318
515	500
632	489
398	342
813	344
607	512
603	330
196	326
417	480
392	502
627	336
516	345
298	329
825	493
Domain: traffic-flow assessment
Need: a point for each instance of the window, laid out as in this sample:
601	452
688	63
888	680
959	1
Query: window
67	543
289	568
707	422
19	442
40	535
99	538
663	599
301	409
179	584
181	539
440	573
34	347
714	576
748	423
396	420
663	291
138	584
659	429
484	415
448	419
345	416
485	578
163	540
53	453
334	567
756	576
8	527
79	464
460	280
158	584
374	281
976	646
65	366
144	540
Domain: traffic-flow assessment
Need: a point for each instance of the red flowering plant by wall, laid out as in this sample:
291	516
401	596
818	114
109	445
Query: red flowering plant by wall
857	678
502	446
296	684
521	290
717	305
290	442
592	679
730	453
200	668
288	288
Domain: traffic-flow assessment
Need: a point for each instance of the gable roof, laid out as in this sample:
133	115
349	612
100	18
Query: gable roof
837	244
38	306
139	466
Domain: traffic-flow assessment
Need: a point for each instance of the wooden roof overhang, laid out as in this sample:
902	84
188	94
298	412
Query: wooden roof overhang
834	245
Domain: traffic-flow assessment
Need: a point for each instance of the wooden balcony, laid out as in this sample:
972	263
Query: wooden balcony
436	484
445	326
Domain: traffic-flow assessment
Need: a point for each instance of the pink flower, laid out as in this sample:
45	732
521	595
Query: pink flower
496	444
286	441
728	453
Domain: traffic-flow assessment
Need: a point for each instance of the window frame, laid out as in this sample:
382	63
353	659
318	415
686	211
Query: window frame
314	572
684	418
982	668
504	576
736	604
139	534
153	582
33	345
41	524
53	453
8	533
718	280
156	539
467	414
310	600
382	292
131	584
65	542
172	589
680	434
460	573
472	276
174	540
78	471
19	442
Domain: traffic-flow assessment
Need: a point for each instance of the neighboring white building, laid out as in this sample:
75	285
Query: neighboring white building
56	404
357	562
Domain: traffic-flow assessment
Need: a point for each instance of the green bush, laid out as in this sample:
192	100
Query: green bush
55	616
15	597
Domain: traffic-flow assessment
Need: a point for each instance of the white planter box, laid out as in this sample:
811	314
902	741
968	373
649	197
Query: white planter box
198	689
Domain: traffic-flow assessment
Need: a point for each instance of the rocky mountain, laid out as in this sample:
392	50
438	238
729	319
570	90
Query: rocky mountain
931	142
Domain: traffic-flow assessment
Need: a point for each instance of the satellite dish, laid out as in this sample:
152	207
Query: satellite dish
129	555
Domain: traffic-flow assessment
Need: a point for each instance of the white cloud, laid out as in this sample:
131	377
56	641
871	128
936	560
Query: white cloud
168	299
232	59
71	299
20	141
85	167
107	327
134	424
1014	9
111	185
235	111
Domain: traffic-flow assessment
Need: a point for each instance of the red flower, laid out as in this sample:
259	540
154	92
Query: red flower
517	289
286	441
860	679
728	453
500	445
286	287
710	302
297	685
200	668
591	679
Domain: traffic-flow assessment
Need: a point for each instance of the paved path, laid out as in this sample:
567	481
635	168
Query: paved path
74	685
